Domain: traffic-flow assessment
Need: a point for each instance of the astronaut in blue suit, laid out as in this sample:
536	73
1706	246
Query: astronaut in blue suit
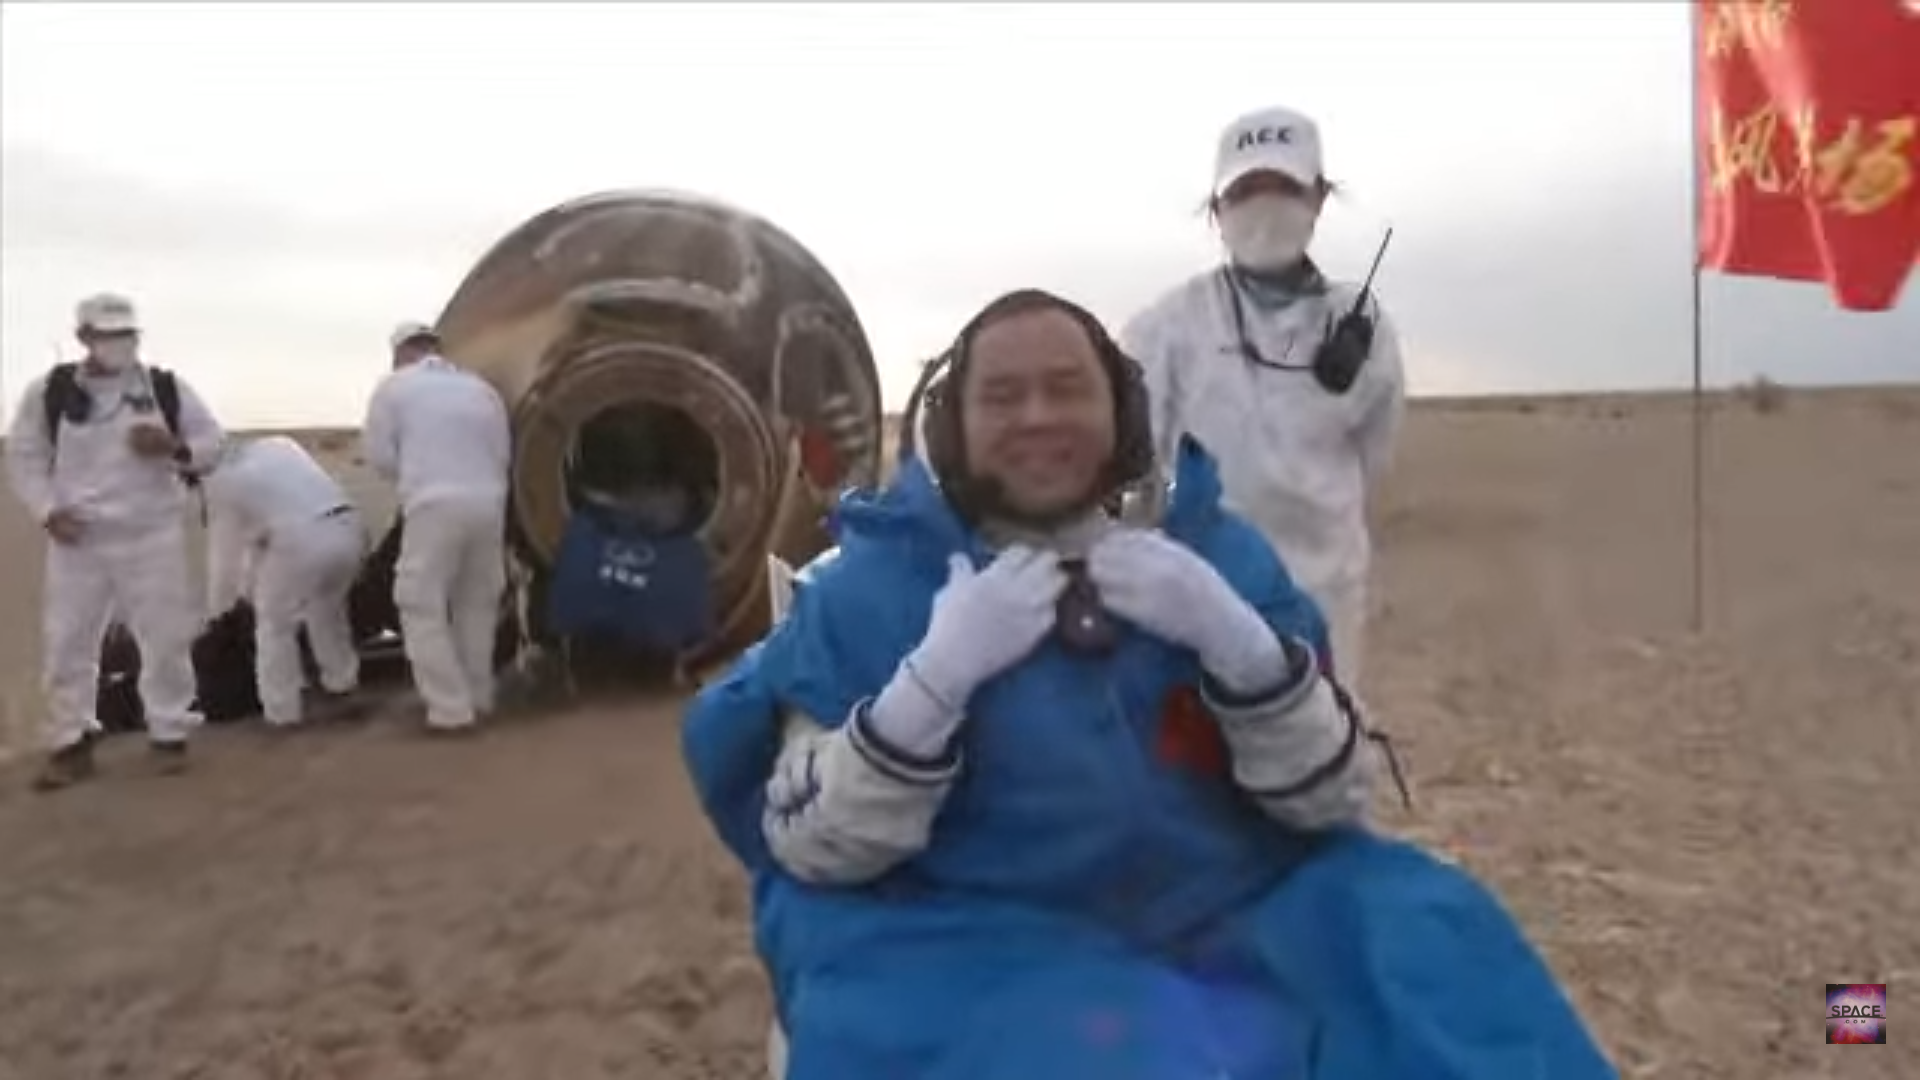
1028	792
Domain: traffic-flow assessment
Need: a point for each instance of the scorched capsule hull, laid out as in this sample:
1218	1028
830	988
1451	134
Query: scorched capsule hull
634	331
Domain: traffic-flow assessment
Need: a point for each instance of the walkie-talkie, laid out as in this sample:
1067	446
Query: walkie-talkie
1349	340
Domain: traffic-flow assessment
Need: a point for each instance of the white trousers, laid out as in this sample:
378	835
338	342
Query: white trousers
302	579
144	580
1344	606
448	585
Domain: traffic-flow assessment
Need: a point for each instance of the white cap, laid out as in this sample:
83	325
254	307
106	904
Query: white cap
410	331
1270	140
106	313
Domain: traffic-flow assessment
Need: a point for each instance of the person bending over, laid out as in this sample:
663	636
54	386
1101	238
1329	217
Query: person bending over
283	534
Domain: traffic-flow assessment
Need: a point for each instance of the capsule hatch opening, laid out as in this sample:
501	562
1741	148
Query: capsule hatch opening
652	463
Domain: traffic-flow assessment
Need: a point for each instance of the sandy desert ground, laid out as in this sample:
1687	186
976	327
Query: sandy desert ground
1699	831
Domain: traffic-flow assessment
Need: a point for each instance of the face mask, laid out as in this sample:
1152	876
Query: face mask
1267	232
115	354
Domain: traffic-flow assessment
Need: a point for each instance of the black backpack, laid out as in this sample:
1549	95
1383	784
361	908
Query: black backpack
66	399
223	673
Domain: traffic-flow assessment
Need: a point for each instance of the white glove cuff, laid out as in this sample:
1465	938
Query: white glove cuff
1271	697
1248	657
910	719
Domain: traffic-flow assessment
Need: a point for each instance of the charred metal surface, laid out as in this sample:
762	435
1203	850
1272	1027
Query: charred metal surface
673	299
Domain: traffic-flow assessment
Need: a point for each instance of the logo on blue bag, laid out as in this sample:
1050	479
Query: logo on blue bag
1856	1012
625	562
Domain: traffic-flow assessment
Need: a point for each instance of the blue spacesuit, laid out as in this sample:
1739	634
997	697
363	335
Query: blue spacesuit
1118	868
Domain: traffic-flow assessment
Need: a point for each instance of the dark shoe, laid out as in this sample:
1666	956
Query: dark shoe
326	706
66	766
169	758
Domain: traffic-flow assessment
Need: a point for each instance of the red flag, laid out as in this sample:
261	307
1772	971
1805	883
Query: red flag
1807	131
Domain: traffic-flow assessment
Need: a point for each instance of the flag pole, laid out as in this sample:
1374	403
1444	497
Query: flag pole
1696	14
1699	467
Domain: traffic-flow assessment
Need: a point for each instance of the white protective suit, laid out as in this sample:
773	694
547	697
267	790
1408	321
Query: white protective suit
1294	459
442	435
282	532
131	559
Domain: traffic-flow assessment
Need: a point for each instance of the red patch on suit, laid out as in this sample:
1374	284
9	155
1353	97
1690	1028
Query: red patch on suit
1189	736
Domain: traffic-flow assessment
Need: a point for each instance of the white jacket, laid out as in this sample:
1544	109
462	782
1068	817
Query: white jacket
1294	459
261	489
438	432
92	470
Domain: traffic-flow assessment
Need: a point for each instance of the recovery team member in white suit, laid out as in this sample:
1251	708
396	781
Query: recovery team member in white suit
1234	357
282	531
442	435
105	485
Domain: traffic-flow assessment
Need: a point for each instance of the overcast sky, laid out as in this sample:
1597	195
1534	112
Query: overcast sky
277	184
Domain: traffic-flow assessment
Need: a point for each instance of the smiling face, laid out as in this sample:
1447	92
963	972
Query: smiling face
1037	413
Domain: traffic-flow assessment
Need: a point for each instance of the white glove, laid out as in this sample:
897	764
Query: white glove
982	624
1165	589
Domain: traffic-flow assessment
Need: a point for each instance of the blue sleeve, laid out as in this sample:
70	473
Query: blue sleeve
1260	576
729	740
830	652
